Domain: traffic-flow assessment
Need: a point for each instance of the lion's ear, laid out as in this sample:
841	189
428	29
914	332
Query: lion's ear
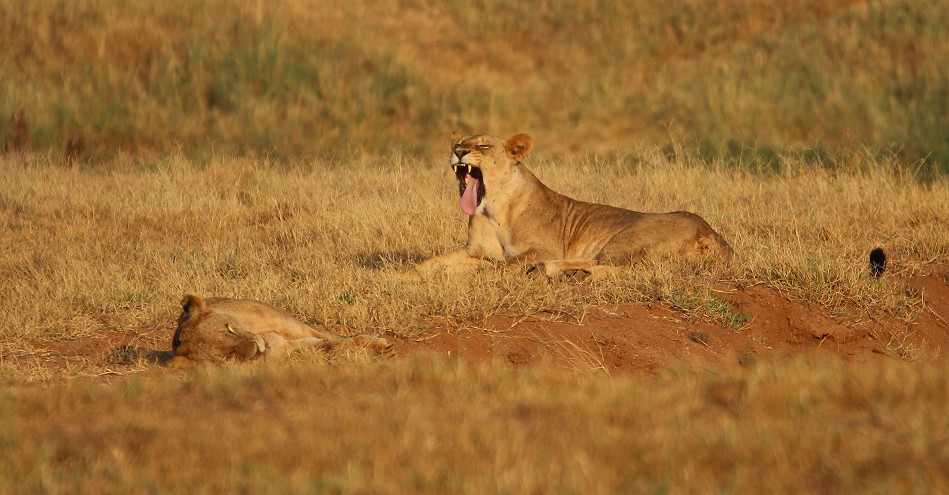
193	305
455	137
519	146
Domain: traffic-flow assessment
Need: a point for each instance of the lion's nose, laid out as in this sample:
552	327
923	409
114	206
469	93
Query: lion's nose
461	153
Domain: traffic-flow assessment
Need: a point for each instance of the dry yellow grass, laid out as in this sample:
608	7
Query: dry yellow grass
419	426
115	246
285	151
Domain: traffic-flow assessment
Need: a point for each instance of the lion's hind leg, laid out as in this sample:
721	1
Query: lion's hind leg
377	345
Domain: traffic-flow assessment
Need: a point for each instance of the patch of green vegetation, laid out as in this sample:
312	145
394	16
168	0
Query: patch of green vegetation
704	304
748	358
124	355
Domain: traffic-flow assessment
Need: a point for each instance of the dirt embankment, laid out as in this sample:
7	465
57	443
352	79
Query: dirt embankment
636	338
644	338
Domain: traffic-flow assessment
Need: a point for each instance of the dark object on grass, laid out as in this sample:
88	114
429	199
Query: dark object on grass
74	150
18	138
877	262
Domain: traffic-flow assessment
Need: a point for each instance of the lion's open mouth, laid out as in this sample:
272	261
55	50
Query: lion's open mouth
471	187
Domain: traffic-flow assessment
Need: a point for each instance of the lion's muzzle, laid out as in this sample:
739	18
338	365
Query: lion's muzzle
470	186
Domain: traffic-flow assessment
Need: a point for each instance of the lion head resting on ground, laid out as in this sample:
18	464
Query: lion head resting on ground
515	218
217	329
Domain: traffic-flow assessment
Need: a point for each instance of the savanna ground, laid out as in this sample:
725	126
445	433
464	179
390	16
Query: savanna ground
294	152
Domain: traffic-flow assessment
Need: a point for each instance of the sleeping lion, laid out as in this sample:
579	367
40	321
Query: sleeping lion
217	329
514	218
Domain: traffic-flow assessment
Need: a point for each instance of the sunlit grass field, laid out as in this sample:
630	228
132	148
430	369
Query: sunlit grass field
116	245
295	152
292	77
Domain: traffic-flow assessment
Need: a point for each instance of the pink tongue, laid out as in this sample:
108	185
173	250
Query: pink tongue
469	199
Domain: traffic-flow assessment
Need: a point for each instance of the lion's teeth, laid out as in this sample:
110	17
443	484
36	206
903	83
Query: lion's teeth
469	169
467	179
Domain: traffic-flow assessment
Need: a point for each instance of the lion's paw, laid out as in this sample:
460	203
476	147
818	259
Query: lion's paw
537	270
578	275
377	345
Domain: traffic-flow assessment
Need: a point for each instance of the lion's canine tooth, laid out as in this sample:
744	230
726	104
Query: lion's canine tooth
469	169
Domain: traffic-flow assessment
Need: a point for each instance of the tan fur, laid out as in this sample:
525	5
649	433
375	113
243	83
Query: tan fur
520	220
18	138
217	329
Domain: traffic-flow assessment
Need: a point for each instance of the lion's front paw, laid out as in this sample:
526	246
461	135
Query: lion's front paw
536	270
578	275
377	345
553	271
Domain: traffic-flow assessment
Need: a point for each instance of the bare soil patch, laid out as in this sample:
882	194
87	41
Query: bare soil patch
636	338
645	338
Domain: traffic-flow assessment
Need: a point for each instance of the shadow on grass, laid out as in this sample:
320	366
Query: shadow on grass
131	355
379	260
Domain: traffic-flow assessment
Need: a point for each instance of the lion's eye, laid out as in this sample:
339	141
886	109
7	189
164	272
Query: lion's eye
483	146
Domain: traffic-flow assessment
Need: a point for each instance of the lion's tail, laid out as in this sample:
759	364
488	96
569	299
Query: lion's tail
877	262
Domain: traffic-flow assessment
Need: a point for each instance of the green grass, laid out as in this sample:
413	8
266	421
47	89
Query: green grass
323	78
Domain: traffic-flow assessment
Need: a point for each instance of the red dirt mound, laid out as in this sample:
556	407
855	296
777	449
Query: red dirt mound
627	338
644	338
